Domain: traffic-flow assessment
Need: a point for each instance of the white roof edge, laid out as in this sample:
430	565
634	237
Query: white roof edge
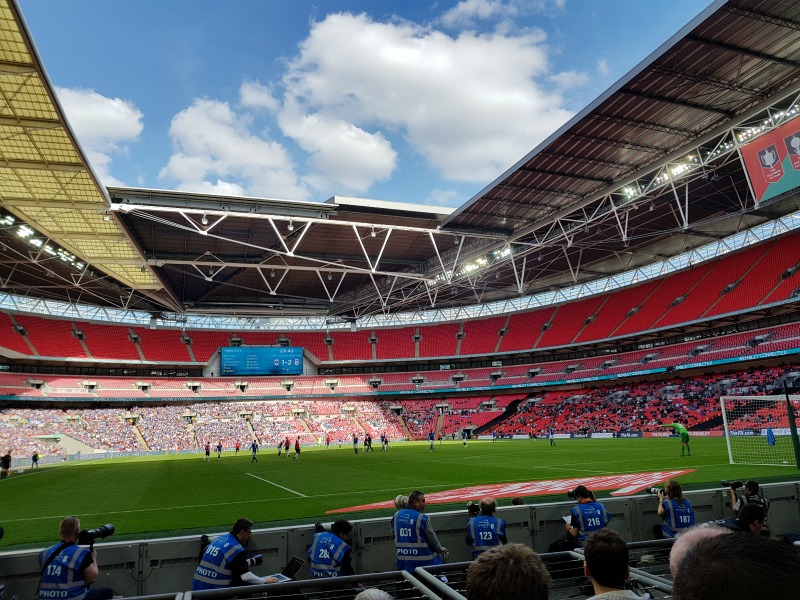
391	205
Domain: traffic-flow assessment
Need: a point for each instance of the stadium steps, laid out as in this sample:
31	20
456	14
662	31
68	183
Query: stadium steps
73	446
140	438
510	411
405	427
28	342
252	431
500	337
439	423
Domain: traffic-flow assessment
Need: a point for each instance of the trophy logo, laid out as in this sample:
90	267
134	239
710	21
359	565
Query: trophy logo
792	143
770	162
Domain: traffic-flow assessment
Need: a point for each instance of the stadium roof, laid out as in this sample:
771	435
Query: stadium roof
648	170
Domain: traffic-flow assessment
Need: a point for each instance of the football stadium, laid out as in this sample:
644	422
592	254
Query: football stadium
616	312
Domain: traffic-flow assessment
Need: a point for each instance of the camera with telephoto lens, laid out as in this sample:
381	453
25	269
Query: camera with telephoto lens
571	495
256	561
473	508
655	491
87	536
734	485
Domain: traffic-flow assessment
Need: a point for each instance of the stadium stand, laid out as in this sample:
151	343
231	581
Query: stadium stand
394	343
51	337
568	320
481	336
112	342
163	345
524	329
351	346
10	336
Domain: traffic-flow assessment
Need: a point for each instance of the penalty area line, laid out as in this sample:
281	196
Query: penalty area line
276	485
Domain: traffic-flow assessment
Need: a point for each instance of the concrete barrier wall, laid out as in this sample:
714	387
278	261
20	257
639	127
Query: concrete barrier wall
166	565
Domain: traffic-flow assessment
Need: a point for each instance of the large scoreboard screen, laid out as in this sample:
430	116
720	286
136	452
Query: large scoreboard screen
262	360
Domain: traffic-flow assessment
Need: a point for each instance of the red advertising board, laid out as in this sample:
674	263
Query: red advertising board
772	161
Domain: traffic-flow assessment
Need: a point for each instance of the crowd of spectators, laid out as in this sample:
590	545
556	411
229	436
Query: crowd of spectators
641	406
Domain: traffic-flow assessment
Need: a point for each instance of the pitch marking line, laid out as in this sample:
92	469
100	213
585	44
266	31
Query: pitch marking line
276	485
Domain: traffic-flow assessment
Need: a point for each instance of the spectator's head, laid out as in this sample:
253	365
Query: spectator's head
373	594
687	540
509	571
342	528
242	530
751	518
606	560
738	566
517	501
69	529
488	506
673	490
751	487
416	500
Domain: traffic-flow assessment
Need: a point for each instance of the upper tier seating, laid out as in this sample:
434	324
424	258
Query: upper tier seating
110	342
51	337
481	336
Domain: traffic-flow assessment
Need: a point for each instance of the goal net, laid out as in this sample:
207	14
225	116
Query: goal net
758	429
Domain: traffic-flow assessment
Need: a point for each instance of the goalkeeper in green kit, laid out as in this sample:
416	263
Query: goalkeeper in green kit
684	435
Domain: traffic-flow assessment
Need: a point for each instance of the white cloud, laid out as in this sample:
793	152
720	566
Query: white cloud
254	95
602	67
566	80
104	127
343	157
466	12
216	152
469	105
444	198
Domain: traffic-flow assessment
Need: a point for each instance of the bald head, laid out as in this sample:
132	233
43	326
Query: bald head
688	540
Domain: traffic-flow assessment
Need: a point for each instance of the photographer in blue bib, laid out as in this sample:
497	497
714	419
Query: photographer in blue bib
587	516
416	544
224	562
675	510
484	530
68	569
329	553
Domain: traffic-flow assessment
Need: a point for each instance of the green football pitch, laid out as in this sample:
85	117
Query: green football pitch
183	494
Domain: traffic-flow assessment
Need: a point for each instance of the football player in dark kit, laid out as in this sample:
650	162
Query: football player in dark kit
224	561
254	450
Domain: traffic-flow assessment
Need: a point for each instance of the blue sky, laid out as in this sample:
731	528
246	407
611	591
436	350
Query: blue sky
422	102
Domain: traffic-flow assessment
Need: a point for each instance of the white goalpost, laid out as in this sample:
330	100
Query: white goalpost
760	430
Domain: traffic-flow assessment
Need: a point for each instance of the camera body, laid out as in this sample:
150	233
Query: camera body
655	491
87	537
473	508
734	485
571	495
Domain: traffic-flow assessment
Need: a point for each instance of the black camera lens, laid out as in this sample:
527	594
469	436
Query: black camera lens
731	484
88	536
571	495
